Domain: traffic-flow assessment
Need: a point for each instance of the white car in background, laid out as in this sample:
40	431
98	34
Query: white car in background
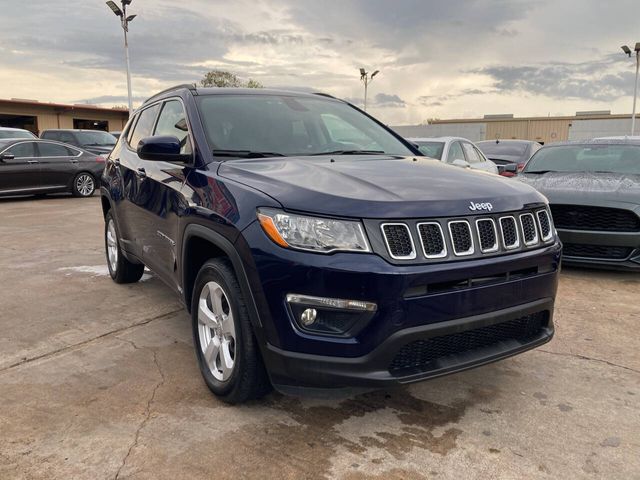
455	151
6	132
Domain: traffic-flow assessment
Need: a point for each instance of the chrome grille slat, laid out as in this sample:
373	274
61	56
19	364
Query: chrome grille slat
432	240
509	232
544	222
529	230
461	237
399	241
487	235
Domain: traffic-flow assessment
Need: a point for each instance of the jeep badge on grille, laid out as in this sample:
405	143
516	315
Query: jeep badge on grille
480	206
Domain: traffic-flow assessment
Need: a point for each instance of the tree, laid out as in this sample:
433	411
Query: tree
222	79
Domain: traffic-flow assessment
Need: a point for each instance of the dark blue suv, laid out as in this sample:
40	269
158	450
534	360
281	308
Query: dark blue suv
314	247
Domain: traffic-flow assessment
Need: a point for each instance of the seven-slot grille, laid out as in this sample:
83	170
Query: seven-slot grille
487	234
399	241
432	239
457	237
461	238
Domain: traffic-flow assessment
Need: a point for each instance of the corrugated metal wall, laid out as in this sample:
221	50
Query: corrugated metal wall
584	129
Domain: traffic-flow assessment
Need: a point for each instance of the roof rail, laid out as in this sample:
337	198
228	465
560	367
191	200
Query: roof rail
188	86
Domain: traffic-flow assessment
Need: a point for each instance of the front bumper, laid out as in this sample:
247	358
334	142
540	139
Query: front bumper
414	302
372	370
627	241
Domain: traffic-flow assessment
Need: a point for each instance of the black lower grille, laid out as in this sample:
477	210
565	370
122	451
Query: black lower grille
596	251
423	355
581	217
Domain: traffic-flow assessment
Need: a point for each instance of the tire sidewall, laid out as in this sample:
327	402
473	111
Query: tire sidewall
212	272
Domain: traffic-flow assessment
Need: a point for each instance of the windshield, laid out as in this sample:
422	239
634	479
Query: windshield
502	148
290	125
15	134
96	138
587	158
431	149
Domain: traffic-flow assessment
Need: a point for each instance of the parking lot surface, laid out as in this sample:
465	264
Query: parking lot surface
99	380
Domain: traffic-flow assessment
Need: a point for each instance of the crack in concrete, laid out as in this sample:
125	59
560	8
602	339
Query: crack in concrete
584	357
147	413
88	341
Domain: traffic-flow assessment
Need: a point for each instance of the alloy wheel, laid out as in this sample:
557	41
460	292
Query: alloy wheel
112	246
85	185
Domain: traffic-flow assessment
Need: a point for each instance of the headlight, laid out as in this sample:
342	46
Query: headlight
316	234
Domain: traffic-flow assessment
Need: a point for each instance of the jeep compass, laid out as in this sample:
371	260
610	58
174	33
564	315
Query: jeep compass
314	247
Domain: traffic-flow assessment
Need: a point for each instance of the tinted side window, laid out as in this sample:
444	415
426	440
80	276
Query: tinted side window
52	150
144	126
66	137
51	135
470	153
455	152
22	150
172	121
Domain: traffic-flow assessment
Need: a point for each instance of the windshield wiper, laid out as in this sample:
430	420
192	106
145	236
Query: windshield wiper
245	154
350	152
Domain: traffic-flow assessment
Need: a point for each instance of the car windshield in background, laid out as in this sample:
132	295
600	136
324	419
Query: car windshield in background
431	149
96	138
623	159
14	134
275	125
512	149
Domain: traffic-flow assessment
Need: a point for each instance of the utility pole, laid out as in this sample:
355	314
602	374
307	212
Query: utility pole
366	79
124	21
628	51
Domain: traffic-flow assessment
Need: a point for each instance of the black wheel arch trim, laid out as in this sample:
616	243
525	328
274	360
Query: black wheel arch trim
196	230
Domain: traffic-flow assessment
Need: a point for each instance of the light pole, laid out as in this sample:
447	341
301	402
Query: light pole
628	51
124	21
364	76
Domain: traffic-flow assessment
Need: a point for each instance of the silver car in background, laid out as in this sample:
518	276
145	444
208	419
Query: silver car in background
455	151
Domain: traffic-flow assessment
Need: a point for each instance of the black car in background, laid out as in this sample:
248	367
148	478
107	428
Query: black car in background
94	141
594	193
41	166
507	152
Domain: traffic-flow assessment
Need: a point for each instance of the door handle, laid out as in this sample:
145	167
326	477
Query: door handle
142	172
32	161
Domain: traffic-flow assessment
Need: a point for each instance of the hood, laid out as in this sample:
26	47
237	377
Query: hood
560	187
377	186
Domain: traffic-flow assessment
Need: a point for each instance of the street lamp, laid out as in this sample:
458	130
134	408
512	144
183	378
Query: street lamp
628	52
124	21
364	76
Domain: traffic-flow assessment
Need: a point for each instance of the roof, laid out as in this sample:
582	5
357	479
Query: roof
508	140
436	139
597	141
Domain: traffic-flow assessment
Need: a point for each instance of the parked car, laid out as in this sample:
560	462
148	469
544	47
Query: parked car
116	134
41	166
313	247
455	151
94	141
508	152
594	190
6	132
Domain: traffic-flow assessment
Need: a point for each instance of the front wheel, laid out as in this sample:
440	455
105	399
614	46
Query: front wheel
83	185
120	269
226	348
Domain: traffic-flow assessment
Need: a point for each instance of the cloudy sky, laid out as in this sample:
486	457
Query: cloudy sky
443	59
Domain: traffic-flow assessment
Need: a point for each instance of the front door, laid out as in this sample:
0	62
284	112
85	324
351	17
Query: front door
22	172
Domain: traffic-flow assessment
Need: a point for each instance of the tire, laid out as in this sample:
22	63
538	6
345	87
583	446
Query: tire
84	184
120	269
226	348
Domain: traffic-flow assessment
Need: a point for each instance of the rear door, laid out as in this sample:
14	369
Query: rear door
21	173
58	164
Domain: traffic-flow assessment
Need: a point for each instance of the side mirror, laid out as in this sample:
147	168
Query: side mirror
7	156
508	170
161	148
460	163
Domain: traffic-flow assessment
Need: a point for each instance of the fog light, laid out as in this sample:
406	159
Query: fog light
308	317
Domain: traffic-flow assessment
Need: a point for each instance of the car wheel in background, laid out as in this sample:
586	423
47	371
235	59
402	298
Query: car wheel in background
226	348
83	185
120	269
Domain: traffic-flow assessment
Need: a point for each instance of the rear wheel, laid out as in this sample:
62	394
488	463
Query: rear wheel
120	269
83	185
226	349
